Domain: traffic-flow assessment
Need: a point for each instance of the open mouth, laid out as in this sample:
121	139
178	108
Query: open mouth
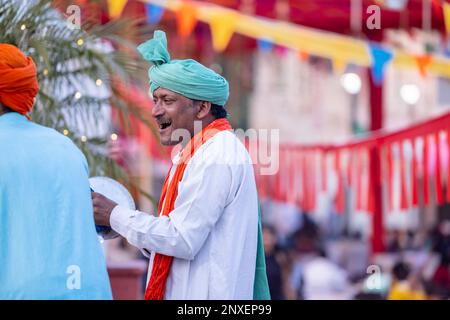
165	124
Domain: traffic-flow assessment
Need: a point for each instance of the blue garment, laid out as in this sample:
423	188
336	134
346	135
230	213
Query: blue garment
48	245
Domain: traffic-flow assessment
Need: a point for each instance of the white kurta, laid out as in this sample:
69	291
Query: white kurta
212	232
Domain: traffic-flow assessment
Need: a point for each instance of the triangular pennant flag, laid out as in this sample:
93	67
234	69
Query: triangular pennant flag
339	65
281	51
115	8
380	58
423	62
186	19
265	45
303	56
438	174
222	28
446	9
154	13
403	182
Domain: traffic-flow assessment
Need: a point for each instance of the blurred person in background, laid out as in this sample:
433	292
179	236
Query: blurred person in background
314	276
405	286
441	246
274	263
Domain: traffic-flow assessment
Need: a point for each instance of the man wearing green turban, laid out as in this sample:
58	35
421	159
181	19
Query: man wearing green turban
206	241
186	77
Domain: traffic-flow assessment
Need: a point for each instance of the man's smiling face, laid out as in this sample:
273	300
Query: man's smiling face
173	111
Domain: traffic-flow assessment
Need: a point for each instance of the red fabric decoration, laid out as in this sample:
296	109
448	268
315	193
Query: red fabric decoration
438	176
403	194
414	193
426	191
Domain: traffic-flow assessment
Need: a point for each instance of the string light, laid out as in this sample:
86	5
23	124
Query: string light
65	132
80	42
98	82
45	72
410	93
78	95
351	83
23	27
83	138
114	137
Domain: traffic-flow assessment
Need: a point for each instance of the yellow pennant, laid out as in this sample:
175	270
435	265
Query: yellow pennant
115	8
446	7
222	28
339	65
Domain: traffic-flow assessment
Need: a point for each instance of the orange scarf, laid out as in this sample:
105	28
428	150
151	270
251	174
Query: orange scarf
18	82
161	263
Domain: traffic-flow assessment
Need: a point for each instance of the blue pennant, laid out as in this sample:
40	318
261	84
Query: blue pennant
154	13
265	45
380	57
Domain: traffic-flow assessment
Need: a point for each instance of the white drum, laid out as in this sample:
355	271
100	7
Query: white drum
115	191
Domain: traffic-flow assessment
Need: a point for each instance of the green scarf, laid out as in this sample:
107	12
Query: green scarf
261	285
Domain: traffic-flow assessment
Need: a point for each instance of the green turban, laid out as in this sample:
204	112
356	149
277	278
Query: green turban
186	77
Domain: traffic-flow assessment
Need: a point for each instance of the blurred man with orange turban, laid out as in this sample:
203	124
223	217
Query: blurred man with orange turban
18	83
48	245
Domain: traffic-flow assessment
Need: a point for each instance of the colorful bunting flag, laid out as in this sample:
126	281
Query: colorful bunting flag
222	29
380	58
303	56
423	61
186	19
154	13
281	51
350	49
115	8
265	45
339	65
446	9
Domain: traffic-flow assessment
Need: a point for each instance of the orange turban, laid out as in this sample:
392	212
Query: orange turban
18	82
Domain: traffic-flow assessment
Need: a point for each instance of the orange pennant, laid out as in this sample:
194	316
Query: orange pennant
423	62
303	56
186	19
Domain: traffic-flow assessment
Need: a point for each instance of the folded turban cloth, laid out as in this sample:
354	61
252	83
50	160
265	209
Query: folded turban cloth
18	82
186	77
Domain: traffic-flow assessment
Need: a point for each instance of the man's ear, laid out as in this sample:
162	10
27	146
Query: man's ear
203	109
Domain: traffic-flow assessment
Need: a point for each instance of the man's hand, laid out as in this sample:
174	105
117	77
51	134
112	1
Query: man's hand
102	209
